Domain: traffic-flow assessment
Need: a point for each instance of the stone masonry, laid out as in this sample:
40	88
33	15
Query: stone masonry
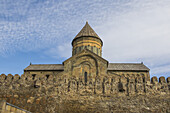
87	83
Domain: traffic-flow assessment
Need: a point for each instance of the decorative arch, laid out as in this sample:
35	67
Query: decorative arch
96	63
87	63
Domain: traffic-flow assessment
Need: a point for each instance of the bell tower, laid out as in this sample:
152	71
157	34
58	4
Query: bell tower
87	39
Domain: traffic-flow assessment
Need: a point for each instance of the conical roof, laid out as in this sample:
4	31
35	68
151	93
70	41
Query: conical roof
87	31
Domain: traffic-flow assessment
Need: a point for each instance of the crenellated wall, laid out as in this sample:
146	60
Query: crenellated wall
33	92
104	85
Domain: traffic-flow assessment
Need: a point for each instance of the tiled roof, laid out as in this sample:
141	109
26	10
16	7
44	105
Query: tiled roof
52	67
87	31
111	66
127	67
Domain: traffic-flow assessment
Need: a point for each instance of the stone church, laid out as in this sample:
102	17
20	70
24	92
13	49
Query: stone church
87	63
85	83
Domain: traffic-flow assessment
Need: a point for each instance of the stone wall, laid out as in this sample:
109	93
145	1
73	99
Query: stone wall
53	93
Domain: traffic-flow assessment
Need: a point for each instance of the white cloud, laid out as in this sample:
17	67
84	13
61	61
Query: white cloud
141	34
60	51
132	30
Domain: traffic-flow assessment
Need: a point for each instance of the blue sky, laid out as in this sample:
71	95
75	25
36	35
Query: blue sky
41	31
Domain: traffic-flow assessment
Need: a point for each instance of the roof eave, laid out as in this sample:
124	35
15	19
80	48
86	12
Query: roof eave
44	70
86	36
129	70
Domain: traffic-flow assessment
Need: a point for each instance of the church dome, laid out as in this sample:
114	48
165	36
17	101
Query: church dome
87	39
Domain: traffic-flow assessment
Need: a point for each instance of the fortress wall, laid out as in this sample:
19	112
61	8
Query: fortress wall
33	92
130	84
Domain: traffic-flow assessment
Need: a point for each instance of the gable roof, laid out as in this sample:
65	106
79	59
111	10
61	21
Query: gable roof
111	67
44	67
89	52
127	67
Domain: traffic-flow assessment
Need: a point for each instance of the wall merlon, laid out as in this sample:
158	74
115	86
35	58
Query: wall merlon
2	77
154	80
16	77
9	77
162	80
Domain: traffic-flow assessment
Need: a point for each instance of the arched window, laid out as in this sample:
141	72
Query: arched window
94	49
85	77
120	87
47	76
91	48
79	48
33	76
88	47
75	51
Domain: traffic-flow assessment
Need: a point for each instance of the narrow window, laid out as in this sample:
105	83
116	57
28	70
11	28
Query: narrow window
94	49
33	76
143	79
75	51
79	48
47	76
112	80
120	87
85	77
91	48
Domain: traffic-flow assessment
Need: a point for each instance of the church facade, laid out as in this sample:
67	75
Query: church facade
85	83
86	62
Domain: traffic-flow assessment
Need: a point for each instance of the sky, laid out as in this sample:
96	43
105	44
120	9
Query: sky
41	31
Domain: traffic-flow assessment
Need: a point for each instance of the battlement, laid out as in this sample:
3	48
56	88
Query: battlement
103	85
154	80
31	92
30	77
